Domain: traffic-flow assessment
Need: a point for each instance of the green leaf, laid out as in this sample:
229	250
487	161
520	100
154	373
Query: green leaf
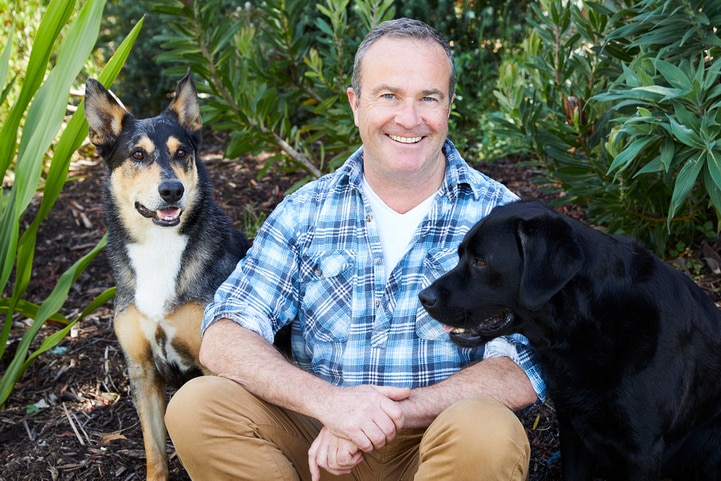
685	135
55	338
685	181
713	166
667	151
56	16
5	58
47	110
628	155
673	75
666	92
713	190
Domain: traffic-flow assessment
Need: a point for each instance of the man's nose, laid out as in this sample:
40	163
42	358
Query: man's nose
408	115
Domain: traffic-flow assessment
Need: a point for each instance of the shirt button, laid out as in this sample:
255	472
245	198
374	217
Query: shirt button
378	303
369	218
379	261
318	271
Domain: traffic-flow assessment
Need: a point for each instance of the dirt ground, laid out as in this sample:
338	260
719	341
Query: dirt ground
71	416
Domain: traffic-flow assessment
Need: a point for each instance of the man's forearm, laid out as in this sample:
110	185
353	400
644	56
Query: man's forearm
229	350
498	378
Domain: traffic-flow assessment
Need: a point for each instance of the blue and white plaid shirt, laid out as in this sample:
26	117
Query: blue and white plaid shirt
317	262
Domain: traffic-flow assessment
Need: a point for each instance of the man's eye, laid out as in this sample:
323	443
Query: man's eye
479	262
388	96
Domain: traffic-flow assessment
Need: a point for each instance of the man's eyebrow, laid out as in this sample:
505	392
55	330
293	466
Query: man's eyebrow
434	92
395	90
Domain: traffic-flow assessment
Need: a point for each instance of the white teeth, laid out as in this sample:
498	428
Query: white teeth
405	140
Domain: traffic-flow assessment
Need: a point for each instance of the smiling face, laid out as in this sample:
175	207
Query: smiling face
402	114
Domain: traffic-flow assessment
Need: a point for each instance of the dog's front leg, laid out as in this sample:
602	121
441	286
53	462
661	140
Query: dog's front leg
149	396
576	462
148	391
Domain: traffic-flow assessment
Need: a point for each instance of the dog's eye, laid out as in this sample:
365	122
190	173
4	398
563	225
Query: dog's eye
478	262
181	153
138	155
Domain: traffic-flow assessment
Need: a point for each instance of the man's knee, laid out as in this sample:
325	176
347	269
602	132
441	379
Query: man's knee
483	420
477	436
201	408
189	401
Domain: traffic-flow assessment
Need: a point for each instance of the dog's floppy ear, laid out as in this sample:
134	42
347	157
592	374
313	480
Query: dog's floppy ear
185	104
551	258
103	113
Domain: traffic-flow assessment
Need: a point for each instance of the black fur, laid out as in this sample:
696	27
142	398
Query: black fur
630	347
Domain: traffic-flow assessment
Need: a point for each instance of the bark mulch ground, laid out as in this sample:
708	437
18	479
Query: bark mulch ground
71	416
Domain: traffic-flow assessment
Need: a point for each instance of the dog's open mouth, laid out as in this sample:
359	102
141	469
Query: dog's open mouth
477	335
166	217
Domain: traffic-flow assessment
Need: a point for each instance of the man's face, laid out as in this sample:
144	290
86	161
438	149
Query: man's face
402	113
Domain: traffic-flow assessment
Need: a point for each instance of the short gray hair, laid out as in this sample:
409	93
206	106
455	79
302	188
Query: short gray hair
402	28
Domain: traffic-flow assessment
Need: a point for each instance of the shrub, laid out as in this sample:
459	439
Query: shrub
619	102
142	84
42	103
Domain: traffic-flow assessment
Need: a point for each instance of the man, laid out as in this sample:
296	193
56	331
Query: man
376	390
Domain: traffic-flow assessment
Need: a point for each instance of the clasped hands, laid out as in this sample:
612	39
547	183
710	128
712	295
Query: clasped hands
359	419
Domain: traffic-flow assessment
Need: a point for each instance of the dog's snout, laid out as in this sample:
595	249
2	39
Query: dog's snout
428	297
171	190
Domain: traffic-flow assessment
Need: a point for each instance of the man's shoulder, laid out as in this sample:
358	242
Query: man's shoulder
476	183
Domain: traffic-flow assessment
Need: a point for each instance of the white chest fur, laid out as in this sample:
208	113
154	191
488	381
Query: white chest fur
156	262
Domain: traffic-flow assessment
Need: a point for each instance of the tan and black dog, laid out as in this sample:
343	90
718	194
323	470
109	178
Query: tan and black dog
169	244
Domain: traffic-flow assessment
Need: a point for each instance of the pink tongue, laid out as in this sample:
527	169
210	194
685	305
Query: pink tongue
448	329
168	214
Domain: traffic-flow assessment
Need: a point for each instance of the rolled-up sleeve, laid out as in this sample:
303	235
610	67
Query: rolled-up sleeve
261	292
517	348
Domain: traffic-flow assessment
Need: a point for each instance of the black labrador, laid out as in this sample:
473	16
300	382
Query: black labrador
630	347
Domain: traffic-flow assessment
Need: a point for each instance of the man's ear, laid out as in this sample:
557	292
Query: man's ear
450	105
551	258
353	101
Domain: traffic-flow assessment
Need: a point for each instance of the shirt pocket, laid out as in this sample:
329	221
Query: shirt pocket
437	262
326	293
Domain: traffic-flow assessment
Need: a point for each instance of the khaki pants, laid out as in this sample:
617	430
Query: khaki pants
222	432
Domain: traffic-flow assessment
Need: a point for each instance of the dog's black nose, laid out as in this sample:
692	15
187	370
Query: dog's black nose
171	190
428	297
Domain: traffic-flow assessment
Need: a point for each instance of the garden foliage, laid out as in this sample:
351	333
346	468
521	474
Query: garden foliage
38	162
620	102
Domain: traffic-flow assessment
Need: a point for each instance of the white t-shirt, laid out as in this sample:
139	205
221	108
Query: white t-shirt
395	230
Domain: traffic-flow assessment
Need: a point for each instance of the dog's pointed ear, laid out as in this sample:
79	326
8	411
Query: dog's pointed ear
185	104
552	256
103	113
